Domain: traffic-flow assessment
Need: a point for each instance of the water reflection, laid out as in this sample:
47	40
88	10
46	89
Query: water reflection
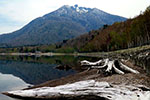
36	70
19	71
10	82
32	73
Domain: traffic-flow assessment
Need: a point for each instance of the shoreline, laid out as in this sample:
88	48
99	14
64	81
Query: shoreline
115	79
91	74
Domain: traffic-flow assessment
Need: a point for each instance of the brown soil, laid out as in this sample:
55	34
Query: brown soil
128	78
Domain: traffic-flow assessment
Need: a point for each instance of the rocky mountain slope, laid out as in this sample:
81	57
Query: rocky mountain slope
64	23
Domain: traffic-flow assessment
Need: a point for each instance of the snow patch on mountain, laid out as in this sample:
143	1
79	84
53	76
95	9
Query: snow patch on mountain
80	9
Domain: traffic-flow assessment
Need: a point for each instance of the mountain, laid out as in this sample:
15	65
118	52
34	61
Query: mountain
64	23
130	33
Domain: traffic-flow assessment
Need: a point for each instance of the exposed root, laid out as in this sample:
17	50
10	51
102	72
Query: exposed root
110	66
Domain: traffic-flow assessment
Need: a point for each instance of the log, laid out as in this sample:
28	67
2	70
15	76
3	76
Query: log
85	89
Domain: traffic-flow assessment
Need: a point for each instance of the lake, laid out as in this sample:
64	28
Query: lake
18	72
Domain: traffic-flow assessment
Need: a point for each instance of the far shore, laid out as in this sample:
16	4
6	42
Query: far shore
94	54
52	54
44	54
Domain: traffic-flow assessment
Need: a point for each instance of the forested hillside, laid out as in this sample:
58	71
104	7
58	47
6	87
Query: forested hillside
131	33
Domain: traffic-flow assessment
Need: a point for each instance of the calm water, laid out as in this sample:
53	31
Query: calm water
9	82
17	72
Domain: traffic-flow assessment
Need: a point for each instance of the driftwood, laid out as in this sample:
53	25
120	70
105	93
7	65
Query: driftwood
110	66
85	90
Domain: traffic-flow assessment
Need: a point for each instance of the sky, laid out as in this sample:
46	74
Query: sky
14	14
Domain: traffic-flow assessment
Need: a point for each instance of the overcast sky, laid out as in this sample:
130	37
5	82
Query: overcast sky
14	14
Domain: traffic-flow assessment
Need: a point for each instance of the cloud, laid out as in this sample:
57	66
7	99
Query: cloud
23	11
15	14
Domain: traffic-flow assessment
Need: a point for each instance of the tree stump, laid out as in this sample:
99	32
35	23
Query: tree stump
110	66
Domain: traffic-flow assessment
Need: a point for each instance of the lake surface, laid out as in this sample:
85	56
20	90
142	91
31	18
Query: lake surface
9	82
18	72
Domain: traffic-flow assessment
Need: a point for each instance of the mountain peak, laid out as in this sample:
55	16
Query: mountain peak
64	23
75	8
66	6
80	9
